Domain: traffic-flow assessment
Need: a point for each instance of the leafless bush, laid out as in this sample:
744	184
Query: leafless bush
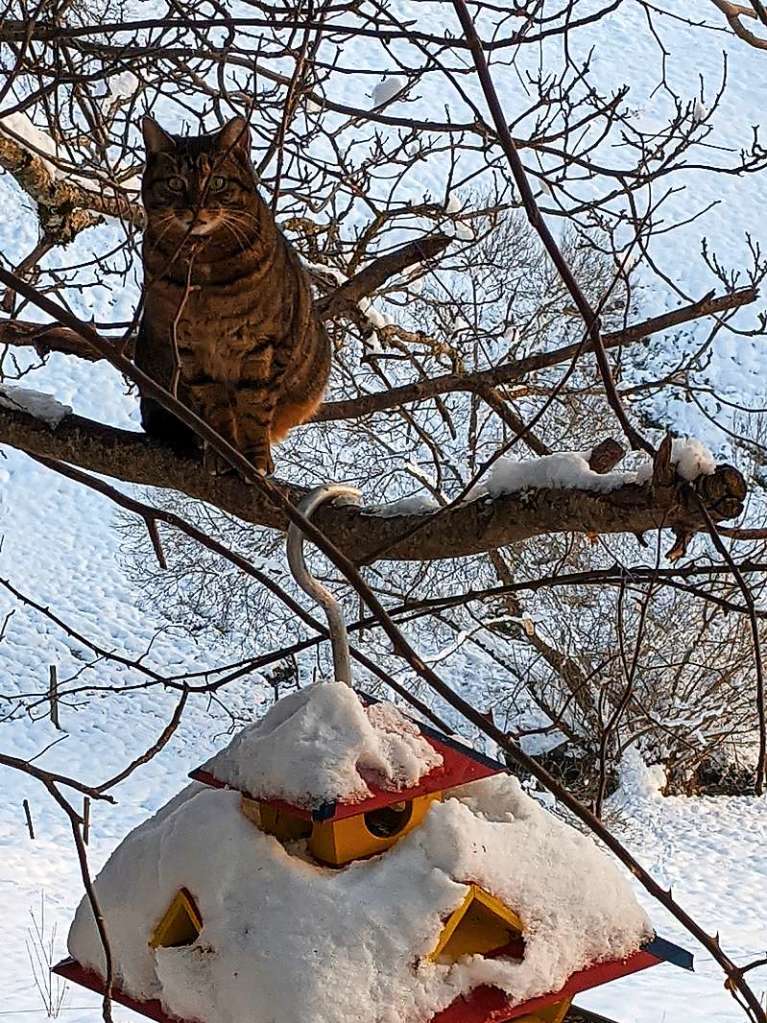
41	952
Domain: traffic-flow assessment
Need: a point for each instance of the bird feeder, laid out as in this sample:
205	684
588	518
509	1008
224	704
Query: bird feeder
335	835
331	842
339	832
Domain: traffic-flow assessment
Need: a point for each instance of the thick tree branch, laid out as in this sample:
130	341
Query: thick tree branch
48	337
470	528
733	13
380	270
61	199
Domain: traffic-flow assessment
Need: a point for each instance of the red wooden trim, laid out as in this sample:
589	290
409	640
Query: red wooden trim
482	1005
71	970
490	1004
457	768
200	774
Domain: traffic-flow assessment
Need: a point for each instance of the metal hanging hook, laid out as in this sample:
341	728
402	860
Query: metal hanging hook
336	625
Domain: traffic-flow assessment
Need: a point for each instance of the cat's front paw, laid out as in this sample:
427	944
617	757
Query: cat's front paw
262	460
214	464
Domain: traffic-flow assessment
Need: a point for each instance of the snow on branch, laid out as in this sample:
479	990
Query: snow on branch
38	404
472	527
26	153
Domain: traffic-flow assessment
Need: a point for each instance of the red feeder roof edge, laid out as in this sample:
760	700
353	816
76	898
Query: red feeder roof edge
483	1005
460	765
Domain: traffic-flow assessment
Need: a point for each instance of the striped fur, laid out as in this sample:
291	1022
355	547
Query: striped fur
229	324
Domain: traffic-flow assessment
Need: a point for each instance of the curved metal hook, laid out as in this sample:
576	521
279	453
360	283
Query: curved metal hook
307	582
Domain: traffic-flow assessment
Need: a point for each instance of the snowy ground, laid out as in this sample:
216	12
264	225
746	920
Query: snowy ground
59	545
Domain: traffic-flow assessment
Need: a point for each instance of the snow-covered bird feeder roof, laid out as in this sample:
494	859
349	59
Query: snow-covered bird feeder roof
489	909
326	753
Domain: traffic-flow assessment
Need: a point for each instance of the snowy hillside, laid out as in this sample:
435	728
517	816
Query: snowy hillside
60	546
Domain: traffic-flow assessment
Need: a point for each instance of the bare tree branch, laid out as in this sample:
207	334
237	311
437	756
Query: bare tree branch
734	12
61	197
509	372
471	528
378	272
53	337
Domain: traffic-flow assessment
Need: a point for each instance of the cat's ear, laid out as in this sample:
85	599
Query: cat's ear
235	135
156	139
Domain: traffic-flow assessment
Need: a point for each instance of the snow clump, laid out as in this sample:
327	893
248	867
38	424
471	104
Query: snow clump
37	403
387	89
570	470
690	457
22	130
319	745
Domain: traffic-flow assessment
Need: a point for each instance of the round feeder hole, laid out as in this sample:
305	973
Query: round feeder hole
388	821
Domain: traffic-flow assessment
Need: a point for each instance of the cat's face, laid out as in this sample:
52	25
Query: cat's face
202	184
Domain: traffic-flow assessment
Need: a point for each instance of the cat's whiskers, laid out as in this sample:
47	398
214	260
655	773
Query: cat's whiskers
242	217
243	245
165	222
243	213
250	230
237	232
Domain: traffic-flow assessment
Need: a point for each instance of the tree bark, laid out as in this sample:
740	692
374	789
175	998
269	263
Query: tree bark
365	535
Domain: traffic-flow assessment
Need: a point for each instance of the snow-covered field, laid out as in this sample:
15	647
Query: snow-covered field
61	547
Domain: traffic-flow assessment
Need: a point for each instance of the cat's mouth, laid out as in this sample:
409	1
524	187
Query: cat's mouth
200	223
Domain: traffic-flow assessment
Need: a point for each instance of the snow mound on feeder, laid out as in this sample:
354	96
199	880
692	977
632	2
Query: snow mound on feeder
285	939
318	744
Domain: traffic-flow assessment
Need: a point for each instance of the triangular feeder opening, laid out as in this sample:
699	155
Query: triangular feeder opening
180	925
482	925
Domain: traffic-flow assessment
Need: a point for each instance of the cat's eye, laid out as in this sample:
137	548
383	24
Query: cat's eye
176	184
217	183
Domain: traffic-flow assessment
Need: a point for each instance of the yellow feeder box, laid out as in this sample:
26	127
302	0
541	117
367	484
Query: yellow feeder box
339	841
180	924
338	833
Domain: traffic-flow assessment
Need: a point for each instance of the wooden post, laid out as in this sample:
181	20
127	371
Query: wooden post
28	815
53	694
86	818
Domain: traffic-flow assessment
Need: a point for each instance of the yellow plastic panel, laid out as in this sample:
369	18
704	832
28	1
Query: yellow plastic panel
481	924
365	834
180	925
551	1014
251	809
286	826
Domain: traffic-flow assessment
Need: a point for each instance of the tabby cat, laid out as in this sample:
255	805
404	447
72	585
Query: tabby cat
229	324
